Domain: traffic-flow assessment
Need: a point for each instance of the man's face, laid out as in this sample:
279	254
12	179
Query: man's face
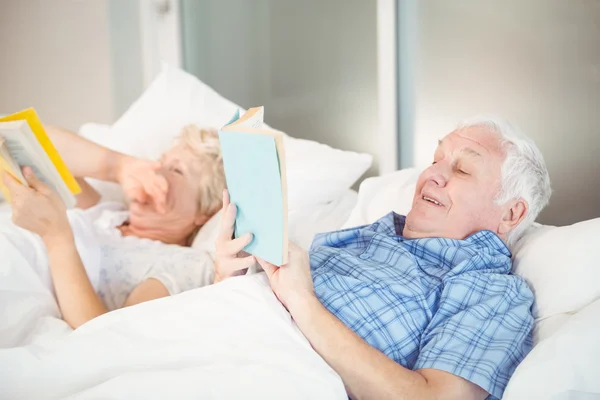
455	195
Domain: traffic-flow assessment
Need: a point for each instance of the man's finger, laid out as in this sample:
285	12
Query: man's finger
267	267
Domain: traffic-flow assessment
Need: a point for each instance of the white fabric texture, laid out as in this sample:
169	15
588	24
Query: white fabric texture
379	195
115	265
316	173
565	365
232	340
305	222
559	266
127	261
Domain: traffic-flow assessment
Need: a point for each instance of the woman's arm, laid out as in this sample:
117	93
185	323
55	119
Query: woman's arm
150	289
88	197
85	159
41	211
77	299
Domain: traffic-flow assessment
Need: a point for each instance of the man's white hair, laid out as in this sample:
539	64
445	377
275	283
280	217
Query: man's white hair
524	172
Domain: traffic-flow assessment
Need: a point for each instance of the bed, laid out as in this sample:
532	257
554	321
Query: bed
161	349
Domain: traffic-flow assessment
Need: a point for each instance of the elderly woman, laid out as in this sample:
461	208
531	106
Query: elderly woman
136	254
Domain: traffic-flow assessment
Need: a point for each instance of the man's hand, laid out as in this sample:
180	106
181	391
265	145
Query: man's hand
141	182
37	208
291	283
231	260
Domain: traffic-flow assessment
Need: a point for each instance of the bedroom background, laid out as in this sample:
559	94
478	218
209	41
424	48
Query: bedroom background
385	77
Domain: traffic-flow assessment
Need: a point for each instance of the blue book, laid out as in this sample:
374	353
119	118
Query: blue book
254	161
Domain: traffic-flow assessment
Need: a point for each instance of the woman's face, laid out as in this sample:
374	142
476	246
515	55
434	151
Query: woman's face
182	171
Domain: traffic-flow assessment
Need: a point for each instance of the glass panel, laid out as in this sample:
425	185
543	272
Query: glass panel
311	63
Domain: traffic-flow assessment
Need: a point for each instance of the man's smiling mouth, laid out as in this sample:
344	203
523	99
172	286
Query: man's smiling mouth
431	200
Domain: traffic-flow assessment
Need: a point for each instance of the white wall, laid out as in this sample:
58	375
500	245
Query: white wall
535	62
55	56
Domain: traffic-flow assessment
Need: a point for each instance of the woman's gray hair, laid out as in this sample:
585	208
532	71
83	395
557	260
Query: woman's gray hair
524	172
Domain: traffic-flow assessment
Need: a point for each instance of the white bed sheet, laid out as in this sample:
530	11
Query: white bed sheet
227	341
162	349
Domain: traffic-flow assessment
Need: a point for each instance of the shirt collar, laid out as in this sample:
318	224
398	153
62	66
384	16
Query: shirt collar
485	238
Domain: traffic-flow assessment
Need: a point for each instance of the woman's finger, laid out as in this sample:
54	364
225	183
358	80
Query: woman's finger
234	246
139	195
239	264
159	196
225	199
13	185
227	222
159	182
34	182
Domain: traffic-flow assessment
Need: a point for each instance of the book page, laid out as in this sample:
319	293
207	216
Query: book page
27	125
22	155
7	163
253	118
25	150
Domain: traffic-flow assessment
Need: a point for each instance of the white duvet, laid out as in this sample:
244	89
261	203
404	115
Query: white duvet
232	340
227	341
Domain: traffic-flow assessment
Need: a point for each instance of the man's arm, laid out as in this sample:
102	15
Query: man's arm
366	372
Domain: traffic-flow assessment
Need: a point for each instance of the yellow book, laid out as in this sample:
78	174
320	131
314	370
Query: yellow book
24	142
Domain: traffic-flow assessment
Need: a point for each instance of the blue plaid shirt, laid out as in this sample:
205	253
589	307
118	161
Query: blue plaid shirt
446	304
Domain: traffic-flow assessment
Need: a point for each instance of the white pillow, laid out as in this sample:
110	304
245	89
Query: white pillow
379	195
564	366
316	173
558	263
303	223
561	266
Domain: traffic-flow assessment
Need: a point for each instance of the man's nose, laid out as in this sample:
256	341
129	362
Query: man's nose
439	174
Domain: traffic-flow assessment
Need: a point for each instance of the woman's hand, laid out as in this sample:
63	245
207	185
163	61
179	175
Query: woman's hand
141	182
38	208
231	260
291	283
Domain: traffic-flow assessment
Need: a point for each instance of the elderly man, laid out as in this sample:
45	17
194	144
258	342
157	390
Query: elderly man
423	306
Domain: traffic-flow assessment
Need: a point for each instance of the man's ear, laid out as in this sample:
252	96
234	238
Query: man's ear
513	215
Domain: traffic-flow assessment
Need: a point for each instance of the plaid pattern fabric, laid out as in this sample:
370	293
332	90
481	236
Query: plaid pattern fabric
447	304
